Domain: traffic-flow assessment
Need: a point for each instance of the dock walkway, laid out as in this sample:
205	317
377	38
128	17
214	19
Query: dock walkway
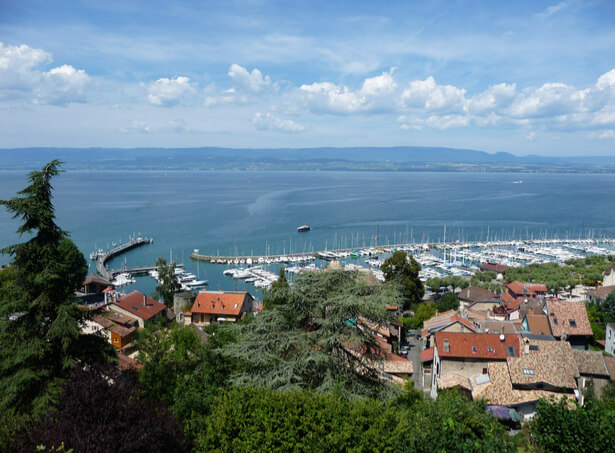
109	273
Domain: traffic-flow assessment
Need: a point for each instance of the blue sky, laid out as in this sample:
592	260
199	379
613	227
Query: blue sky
523	77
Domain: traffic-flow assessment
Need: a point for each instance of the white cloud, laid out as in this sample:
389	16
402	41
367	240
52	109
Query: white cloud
267	121
428	95
247	87
531	137
137	126
493	99
19	78
447	121
549	11
610	133
410	124
551	99
327	97
168	92
251	82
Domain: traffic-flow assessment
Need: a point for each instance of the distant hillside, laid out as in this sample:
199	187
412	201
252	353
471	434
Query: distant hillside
405	158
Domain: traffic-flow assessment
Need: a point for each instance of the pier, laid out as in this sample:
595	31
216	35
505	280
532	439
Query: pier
133	243
376	250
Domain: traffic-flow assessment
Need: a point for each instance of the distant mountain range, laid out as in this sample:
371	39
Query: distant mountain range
403	158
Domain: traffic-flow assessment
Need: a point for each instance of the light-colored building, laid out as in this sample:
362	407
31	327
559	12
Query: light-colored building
610	338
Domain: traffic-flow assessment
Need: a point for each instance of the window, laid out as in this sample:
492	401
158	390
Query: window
572	322
511	351
528	371
490	349
484	370
446	347
554	320
474	349
534	347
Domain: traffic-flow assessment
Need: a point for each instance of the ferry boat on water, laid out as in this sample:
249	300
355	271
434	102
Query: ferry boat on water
303	228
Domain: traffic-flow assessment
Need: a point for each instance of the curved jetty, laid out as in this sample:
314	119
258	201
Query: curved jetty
106	256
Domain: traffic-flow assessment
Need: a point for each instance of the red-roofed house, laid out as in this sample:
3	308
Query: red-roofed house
518	289
139	306
448	321
468	354
220	306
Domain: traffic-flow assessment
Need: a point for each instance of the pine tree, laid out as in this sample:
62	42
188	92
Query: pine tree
313	340
40	340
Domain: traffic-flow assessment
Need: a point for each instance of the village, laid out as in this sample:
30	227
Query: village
509	349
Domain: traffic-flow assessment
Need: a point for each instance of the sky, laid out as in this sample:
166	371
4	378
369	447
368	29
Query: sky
525	77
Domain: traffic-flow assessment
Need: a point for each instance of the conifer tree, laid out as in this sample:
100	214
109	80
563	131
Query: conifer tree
40	340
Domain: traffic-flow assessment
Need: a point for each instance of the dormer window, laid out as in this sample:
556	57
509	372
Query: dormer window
572	322
474	349
554	320
446	347
490	349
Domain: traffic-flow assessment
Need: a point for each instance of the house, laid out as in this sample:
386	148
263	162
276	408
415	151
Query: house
522	290
449	321
600	294
608	278
139	306
95	284
477	298
569	321
220	306
538	324
545	369
114	327
493	267
468	354
592	367
610	338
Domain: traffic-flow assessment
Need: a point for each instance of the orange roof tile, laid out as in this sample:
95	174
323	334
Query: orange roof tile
538	324
526	289
476	345
140	305
219	303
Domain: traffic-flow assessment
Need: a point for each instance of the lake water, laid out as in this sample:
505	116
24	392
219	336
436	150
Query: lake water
230	213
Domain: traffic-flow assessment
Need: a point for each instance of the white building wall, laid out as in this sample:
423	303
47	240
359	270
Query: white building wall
610	339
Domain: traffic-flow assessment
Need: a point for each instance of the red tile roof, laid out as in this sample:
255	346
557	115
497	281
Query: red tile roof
427	355
476	345
509	303
133	303
219	303
499	268
526	289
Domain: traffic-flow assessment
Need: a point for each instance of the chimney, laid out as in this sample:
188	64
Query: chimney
144	300
526	347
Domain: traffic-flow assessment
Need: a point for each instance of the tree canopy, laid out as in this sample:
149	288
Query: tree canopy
40	340
313	340
403	271
168	284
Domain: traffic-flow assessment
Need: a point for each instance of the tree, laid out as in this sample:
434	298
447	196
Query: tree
403	271
100	411
317	339
40	338
609	306
422	314
449	301
278	292
168	284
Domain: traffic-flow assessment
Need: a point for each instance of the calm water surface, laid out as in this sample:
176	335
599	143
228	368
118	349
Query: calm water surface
245	213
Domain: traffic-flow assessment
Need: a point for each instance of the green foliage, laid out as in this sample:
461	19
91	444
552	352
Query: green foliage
168	284
40	340
608	307
278	293
558	428
251	419
312	341
449	301
553	275
597	319
422	314
403	271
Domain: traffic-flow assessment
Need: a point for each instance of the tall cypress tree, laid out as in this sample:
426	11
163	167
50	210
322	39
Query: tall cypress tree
40	341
